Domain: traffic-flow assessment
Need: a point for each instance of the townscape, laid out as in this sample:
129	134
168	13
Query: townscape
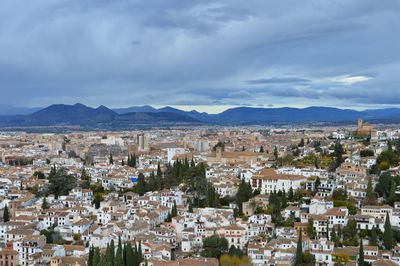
202	196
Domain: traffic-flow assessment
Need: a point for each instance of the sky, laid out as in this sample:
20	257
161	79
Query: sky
199	54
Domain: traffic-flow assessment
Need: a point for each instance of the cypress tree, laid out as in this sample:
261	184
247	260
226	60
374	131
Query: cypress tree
6	214
159	173
190	207
392	194
174	211
370	195
129	255
124	254
96	256
45	205
299	250
122	162
110	159
388	234
135	256
91	253
361	254
119	257
140	253
374	239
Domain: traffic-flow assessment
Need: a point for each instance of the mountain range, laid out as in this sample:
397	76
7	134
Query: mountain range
125	118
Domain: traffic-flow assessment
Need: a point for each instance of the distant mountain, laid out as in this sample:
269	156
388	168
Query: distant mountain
88	117
11	110
105	118
135	109
247	115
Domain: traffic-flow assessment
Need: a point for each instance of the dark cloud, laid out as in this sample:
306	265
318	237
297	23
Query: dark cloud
199	52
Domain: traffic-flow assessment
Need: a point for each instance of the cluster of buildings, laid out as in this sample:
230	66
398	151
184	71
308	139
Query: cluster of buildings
41	229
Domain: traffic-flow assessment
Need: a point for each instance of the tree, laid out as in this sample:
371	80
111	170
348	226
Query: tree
388	234
261	149
229	260
97	199
387	159
384	184
244	193
373	241
219	144
123	162
91	254
118	257
214	246
96	256
45	205
310	228
6	214
392	194
370	195
174	211
276	153
212	197
110	159
350	233
141	185
301	144
61	183
85	179
190	207
361	261
39	175
299	250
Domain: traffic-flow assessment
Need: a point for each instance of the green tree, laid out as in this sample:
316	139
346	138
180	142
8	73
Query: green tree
174	211
39	175
373	241
299	250
384	184
219	144
361	261
388	234
98	198
61	183
91	254
6	214
310	228
261	149
244	193
129	255
214	246
392	194
370	195
45	205
141	185
118	257
110	159
190	207
301	144
96	256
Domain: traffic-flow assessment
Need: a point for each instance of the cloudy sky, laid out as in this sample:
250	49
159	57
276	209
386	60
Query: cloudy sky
201	54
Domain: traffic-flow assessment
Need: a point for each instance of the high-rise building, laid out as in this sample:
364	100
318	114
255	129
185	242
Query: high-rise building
143	144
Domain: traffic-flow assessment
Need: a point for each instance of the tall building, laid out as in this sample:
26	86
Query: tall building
143	143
